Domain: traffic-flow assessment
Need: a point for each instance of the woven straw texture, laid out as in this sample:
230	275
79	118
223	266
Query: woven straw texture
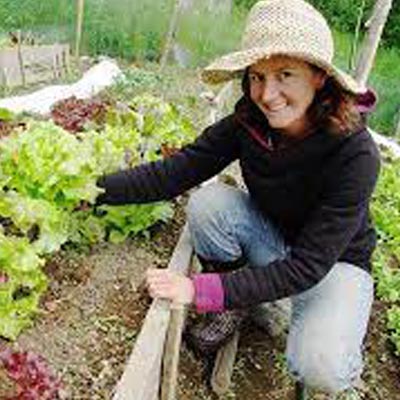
285	27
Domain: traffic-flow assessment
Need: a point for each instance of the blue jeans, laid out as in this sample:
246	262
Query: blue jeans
328	321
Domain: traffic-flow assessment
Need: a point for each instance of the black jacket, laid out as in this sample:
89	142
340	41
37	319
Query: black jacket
316	190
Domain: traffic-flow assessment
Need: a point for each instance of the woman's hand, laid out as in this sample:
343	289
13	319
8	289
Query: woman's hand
162	283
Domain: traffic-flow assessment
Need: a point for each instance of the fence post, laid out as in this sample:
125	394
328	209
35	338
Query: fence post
20	58
354	45
397	132
171	33
79	24
371	42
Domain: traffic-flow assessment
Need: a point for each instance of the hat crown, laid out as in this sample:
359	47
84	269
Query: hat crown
285	27
288	27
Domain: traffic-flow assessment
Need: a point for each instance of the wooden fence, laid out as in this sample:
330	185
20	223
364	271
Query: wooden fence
23	65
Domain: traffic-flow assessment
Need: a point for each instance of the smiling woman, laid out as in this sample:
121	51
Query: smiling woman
301	229
284	88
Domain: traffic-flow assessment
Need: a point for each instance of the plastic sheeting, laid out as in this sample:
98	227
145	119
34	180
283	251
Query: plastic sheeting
93	81
386	143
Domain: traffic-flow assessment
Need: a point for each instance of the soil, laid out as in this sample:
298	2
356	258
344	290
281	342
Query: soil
93	312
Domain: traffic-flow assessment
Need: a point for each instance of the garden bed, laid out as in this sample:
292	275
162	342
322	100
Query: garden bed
94	308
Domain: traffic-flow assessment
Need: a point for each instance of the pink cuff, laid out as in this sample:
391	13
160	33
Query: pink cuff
209	293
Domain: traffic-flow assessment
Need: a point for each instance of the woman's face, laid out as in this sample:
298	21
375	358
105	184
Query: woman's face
283	88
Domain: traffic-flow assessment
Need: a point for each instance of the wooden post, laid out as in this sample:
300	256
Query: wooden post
171	353
141	378
371	42
357	31
173	26
397	132
20	58
79	24
176	322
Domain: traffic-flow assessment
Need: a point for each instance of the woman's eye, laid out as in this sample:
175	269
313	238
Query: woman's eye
286	74
255	78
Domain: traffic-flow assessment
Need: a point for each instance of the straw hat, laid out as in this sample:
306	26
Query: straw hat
285	27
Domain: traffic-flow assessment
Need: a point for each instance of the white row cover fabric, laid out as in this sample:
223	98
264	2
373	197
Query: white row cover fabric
93	81
387	143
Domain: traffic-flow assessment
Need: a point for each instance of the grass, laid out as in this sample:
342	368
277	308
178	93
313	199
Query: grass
127	29
213	34
383	79
50	20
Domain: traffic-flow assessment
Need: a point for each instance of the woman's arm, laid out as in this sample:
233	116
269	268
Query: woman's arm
322	240
213	150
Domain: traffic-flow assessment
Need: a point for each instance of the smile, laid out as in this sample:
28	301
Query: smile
275	109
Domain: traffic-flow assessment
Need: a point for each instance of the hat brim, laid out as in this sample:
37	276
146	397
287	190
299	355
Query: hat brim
232	65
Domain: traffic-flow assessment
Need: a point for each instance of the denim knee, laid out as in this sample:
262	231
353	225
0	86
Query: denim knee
326	366
329	323
209	215
208	201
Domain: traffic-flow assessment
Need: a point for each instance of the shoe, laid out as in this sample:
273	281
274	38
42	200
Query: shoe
214	331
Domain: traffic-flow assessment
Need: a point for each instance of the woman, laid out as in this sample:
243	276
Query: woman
302	230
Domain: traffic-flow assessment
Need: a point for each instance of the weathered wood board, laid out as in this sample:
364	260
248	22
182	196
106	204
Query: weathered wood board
31	64
141	378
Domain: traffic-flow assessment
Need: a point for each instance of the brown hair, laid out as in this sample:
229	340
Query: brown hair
333	109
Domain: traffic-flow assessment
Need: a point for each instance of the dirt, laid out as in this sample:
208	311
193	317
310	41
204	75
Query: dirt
93	312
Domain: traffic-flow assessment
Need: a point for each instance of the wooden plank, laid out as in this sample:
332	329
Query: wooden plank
171	353
44	63
33	63
174	334
223	367
10	67
141	378
142	372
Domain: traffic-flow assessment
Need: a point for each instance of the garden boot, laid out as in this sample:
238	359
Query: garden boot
207	334
213	331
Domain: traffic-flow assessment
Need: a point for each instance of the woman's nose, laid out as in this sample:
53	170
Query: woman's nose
270	90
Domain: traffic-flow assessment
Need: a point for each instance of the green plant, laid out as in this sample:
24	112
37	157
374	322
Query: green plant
383	80
386	213
133	30
45	175
21	284
394	326
48	19
215	34
123	221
